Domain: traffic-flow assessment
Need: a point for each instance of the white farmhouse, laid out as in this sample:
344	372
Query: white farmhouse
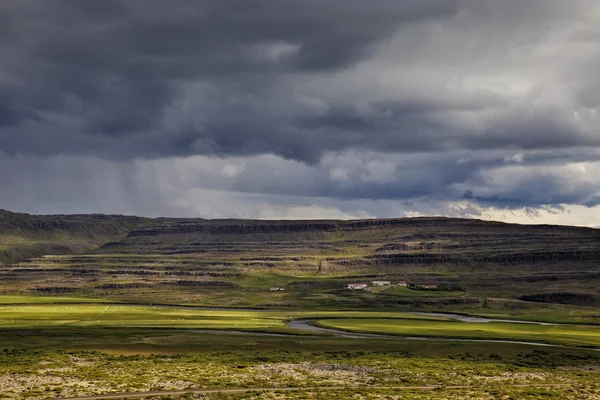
357	286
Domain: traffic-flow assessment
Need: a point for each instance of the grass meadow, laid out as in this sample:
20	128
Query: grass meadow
568	335
44	316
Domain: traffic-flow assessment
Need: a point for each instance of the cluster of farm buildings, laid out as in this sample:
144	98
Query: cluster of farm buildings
363	286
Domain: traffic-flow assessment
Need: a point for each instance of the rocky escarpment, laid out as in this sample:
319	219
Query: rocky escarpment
383	241
299	262
195	226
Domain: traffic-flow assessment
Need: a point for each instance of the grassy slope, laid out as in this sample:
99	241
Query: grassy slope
24	236
540	258
406	292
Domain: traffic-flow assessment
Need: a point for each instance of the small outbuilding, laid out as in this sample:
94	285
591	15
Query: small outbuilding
431	286
382	283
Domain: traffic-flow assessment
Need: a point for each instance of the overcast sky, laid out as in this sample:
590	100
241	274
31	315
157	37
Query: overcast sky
302	108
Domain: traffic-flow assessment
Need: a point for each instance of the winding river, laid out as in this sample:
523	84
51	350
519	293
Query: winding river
307	326
457	317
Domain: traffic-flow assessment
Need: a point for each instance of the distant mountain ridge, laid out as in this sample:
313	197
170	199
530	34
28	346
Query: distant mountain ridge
233	261
24	236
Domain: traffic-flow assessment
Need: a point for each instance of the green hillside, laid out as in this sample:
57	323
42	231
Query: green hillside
236	263
24	236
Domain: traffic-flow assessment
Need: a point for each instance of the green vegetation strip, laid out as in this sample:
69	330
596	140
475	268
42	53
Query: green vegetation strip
43	316
110	315
569	335
47	300
407	292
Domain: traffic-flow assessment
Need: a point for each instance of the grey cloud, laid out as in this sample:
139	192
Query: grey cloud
342	105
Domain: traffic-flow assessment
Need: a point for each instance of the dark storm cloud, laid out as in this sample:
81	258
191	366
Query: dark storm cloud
115	66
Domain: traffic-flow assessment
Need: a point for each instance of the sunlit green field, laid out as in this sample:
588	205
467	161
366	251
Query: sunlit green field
570	335
46	300
110	315
82	315
395	323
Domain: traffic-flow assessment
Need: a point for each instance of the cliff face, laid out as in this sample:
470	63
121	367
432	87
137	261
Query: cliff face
380	241
231	226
